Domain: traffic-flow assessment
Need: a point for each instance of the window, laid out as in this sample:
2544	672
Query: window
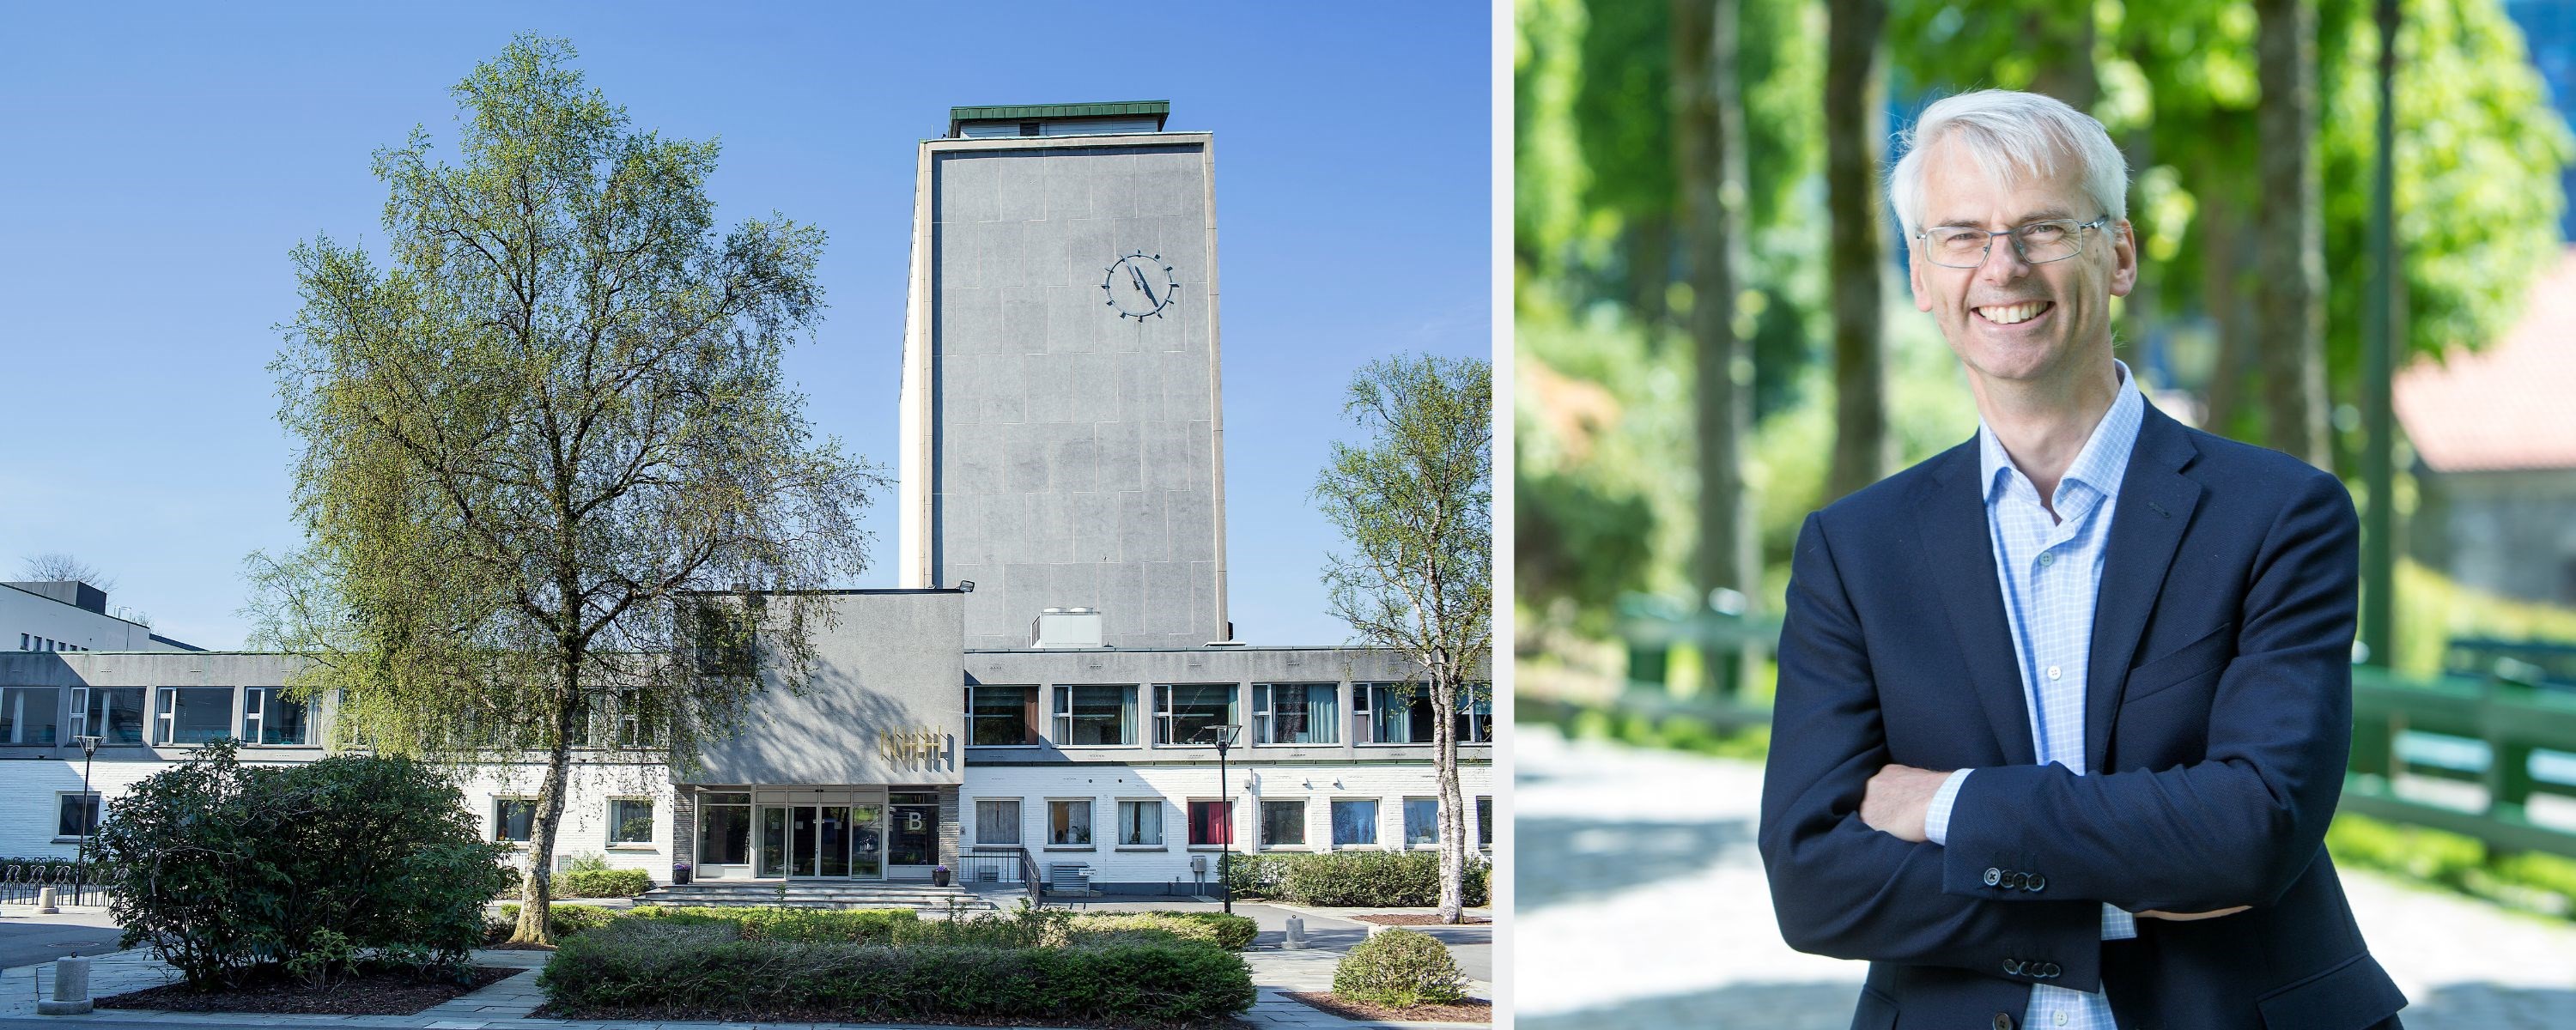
1354	822
1184	711
724	829
638	725
30	715
1069	823
1002	716
721	635
1088	716
195	715
1476	713
630	820
79	814
114	714
1421	821
1029	129
1283	824
1402	713
1140	824
1295	713
269	718
997	821
513	819
1211	823
1484	822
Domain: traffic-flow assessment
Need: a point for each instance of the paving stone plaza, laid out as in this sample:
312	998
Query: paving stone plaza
511	1002
1647	908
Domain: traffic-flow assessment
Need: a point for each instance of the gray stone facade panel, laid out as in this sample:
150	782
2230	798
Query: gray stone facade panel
1074	453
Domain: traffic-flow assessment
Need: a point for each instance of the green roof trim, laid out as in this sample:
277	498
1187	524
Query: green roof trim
1015	112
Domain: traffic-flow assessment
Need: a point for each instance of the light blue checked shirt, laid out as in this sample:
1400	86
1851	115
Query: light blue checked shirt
2050	569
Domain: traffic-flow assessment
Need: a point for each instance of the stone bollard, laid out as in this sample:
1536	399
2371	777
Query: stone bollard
1296	934
45	901
71	989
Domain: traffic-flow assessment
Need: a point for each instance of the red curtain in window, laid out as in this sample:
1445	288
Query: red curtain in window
1211	822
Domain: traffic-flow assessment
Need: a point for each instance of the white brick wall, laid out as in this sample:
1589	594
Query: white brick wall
28	806
30	810
1176	786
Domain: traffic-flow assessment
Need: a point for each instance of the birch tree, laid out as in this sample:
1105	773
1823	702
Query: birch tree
1415	506
536	438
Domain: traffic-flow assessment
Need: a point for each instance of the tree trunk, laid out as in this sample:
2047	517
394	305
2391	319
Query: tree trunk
1649	242
536	904
2140	309
1855	84
1709	153
2292	305
2067	72
2222	293
1444	764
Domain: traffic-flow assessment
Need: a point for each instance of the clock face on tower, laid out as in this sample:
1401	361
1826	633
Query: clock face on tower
1140	286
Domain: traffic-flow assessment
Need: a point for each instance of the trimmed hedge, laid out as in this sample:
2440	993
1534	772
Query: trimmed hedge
1352	879
850	925
1402	968
1233	933
665	968
602	883
561	920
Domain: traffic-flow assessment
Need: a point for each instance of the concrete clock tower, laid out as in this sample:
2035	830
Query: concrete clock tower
1062	443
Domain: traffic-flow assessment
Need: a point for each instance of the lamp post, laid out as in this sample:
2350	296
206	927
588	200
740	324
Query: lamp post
1222	735
89	818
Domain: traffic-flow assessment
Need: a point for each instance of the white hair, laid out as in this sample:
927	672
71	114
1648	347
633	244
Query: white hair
2013	137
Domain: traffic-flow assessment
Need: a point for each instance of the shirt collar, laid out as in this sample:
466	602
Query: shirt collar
2104	459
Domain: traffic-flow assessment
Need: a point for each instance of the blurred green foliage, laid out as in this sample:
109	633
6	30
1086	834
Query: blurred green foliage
1604	490
2530	880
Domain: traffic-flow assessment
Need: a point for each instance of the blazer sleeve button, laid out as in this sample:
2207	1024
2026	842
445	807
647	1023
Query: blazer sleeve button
2012	967
1994	876
2038	882
2003	1021
2050	971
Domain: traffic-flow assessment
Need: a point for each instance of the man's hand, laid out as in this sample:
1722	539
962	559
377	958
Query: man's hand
2185	917
1897	798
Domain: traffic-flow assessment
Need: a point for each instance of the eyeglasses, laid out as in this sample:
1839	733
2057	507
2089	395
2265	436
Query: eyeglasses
2038	243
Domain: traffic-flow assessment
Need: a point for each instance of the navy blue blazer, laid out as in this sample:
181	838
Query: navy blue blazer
2218	713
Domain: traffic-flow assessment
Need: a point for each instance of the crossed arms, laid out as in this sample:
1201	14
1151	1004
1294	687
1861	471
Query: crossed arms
2235	828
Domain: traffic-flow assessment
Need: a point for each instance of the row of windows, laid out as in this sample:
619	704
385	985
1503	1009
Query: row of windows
178	715
1183	713
1211	823
630	820
32	642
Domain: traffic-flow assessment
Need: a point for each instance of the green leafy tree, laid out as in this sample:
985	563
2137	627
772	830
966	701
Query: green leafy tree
1415	506
539	444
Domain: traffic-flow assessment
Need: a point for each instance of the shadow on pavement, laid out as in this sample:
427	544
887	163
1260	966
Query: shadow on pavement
1751	1006
1828	1006
1576	860
2491	1007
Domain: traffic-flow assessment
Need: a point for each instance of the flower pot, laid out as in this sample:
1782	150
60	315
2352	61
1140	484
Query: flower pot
939	877
679	875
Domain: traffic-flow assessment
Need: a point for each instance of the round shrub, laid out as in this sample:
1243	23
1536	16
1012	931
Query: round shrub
1401	968
231	871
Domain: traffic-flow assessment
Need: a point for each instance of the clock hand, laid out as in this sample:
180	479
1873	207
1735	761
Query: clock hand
1148	291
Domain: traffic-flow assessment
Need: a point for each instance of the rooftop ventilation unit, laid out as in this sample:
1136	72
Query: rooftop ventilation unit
1067	627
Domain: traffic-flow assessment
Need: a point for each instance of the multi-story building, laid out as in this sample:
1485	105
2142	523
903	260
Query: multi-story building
70	615
1046	675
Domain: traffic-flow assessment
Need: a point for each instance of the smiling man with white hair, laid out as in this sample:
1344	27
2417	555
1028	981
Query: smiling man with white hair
2063	711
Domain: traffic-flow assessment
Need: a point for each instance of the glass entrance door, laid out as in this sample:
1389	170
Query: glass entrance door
819	840
867	850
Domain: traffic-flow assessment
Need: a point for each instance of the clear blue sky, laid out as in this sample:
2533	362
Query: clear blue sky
158	164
